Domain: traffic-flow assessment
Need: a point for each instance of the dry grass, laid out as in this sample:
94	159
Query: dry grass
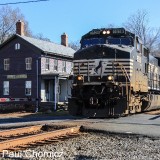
29	114
15	114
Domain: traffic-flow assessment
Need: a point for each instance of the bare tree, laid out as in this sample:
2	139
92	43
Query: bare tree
8	19
41	37
111	25
74	45
139	24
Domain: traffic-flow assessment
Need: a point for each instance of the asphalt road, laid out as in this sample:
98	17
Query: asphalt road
15	122
142	124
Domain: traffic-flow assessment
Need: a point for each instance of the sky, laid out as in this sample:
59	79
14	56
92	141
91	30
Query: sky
77	17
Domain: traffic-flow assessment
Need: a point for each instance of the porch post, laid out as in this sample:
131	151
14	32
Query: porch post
55	93
37	99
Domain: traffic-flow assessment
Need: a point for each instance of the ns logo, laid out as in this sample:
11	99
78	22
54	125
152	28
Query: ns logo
99	68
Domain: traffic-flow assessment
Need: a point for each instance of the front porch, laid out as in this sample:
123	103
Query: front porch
44	106
55	90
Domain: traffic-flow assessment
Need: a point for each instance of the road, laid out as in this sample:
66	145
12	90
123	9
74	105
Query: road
143	124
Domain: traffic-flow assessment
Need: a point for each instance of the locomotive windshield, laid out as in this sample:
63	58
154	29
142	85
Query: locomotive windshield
118	36
109	40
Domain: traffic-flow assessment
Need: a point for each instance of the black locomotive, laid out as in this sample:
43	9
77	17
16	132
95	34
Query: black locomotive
114	75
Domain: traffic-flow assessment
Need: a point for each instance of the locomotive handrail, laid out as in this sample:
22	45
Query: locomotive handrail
88	71
123	69
127	78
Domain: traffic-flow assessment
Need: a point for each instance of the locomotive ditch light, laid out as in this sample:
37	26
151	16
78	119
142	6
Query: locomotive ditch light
79	77
110	78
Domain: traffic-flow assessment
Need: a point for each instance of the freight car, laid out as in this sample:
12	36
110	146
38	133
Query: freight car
114	75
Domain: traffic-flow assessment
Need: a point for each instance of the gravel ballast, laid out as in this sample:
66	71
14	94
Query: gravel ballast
98	146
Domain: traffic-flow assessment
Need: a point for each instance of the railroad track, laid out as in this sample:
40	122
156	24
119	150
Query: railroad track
23	138
20	132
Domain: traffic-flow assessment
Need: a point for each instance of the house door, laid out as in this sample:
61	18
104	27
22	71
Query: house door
49	90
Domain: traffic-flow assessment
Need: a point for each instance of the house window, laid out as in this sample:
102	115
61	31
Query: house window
63	66
56	65
28	63
146	68
145	51
17	46
6	88
47	64
6	64
28	88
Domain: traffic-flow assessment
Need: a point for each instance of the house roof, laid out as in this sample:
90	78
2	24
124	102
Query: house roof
50	47
45	46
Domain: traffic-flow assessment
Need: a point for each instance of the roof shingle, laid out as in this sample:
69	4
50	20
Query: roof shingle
50	47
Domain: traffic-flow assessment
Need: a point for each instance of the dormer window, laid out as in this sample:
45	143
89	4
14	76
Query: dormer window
17	46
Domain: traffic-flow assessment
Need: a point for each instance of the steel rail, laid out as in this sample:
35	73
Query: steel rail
38	137
18	131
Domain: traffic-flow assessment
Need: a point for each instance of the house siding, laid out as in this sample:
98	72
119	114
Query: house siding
51	66
17	75
18	67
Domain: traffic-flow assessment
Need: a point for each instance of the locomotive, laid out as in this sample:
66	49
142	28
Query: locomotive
113	75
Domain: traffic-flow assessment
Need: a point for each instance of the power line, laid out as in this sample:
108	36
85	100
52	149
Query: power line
22	2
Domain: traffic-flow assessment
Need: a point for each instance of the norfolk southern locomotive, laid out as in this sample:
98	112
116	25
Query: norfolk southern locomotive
114	75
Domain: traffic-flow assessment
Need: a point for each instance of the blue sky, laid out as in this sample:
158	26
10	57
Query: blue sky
77	17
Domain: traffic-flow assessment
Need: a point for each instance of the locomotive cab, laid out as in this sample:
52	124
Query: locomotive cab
110	74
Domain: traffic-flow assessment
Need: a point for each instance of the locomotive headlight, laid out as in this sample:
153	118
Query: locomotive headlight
104	32
108	32
79	78
110	78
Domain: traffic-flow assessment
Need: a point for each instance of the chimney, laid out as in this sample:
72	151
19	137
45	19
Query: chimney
20	28
64	39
